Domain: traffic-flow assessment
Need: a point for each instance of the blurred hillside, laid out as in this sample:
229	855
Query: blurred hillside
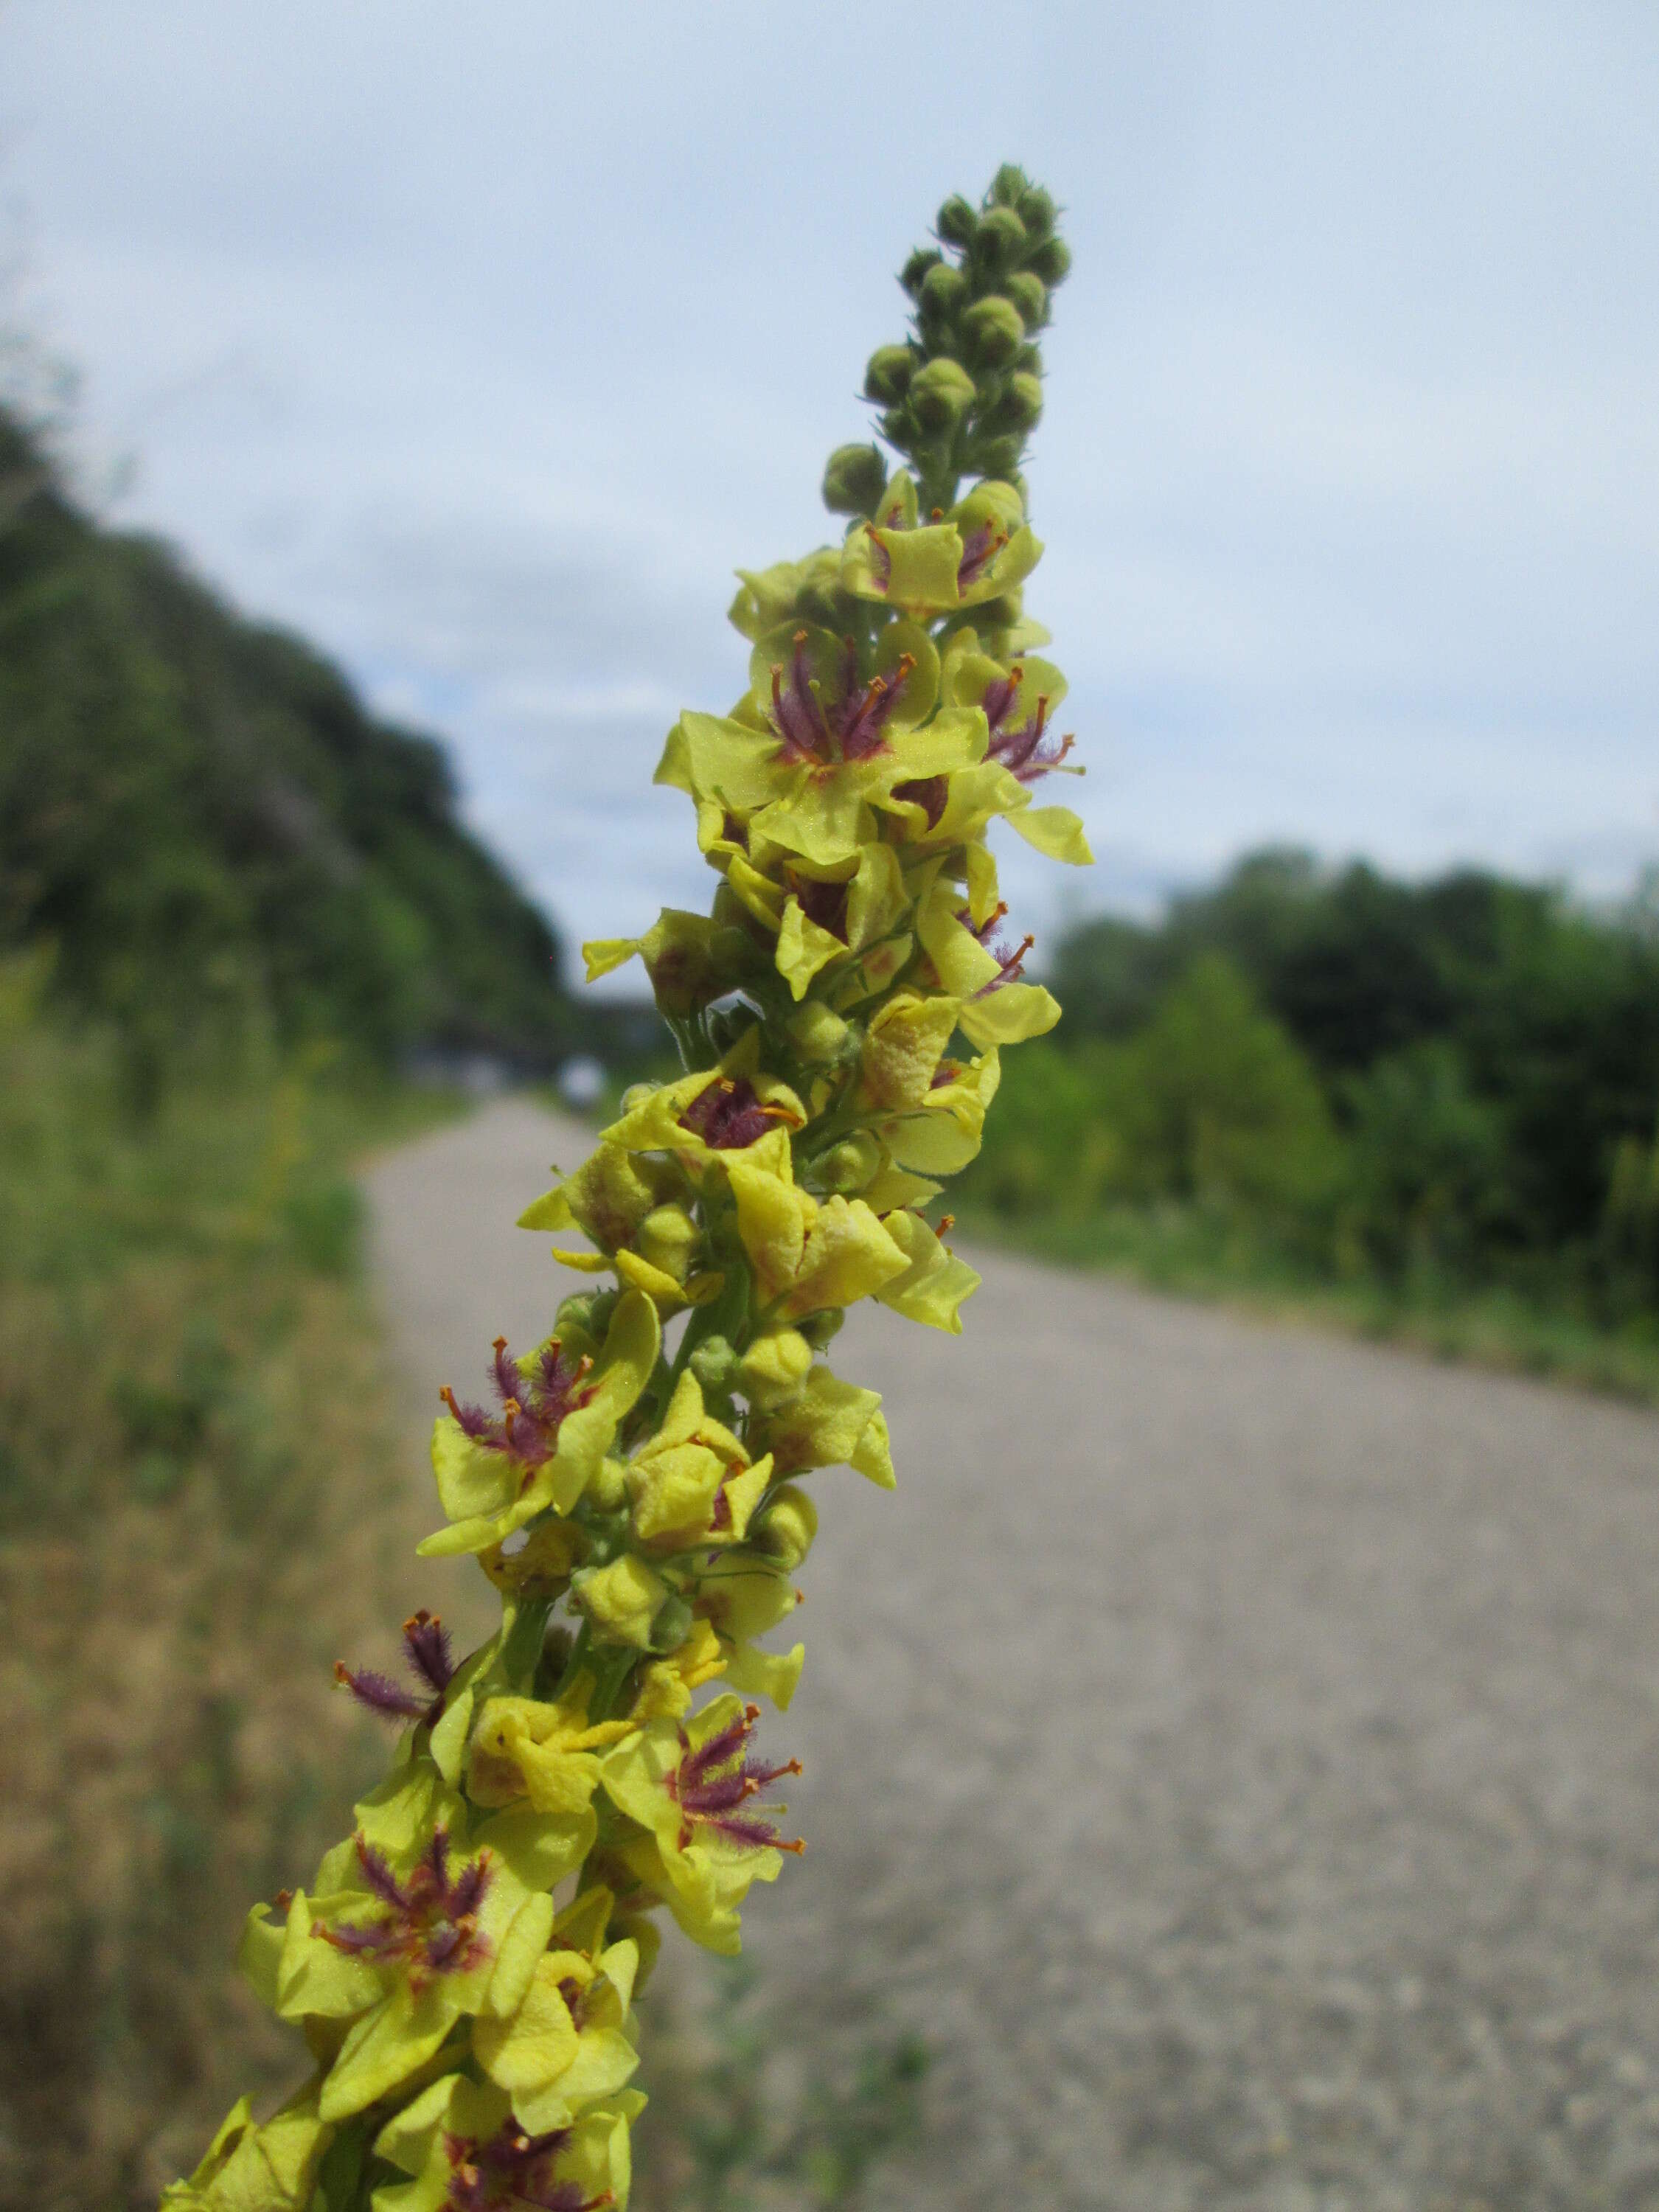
1438	1099
199	814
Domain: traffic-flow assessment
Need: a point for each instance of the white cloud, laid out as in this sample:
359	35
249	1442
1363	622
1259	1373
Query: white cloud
483	346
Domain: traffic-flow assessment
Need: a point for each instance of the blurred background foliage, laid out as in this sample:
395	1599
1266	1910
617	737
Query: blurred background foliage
1433	1106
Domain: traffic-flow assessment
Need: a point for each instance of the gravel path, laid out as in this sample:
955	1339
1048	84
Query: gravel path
1236	1750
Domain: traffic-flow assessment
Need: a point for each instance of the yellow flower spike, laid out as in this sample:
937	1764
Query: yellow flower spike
470	2040
548	1752
934	1285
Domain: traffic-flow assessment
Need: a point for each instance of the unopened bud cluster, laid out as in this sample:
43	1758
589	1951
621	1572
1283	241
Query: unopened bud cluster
640	1488
960	395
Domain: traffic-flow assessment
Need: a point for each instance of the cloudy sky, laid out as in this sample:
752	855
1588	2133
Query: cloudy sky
481	343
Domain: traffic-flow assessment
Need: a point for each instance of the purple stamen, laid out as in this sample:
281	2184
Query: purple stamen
431	1922
527	1427
706	1794
727	1115
1026	751
512	2168
977	549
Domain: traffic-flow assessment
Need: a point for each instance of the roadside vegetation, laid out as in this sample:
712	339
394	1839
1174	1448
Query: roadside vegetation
205	1499
1430	1112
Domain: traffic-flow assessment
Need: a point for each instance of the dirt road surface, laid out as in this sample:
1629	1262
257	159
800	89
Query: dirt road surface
1235	1750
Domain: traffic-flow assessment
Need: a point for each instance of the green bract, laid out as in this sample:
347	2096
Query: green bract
643	1505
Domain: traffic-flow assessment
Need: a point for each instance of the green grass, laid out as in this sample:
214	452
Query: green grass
202	1499
1187	1250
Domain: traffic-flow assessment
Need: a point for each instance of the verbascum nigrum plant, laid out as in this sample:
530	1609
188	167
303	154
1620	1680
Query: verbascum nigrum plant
463	1967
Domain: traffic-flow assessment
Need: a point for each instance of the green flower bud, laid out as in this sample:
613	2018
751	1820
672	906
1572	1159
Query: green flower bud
945	290
855	478
994	329
887	378
999	238
818	1033
785	1531
1009	182
956	221
587	1310
1037	210
608	1493
941	394
848	1166
998	456
714	1363
916	268
818	1328
1030	296
1051	261
1021	404
671	1625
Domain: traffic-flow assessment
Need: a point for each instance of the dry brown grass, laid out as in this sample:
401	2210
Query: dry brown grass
206	1501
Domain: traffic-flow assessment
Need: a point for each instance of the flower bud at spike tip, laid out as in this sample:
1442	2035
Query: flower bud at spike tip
1035	209
1052	261
462	1967
943	288
999	238
887	378
854	480
916	268
956	221
1021	404
1029	294
993	329
941	394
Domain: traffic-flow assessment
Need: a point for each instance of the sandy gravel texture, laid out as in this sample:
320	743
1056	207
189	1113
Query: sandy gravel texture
1236	1750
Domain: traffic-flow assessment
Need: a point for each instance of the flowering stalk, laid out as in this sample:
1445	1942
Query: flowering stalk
463	1965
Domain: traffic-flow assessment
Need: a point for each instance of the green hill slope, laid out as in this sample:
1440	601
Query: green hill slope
203	817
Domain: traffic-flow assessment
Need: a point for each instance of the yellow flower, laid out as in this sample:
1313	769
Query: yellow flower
693	1481
548	1752
461	2142
829	1423
560	1412
566	2046
996	1008
806	1255
697	1788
